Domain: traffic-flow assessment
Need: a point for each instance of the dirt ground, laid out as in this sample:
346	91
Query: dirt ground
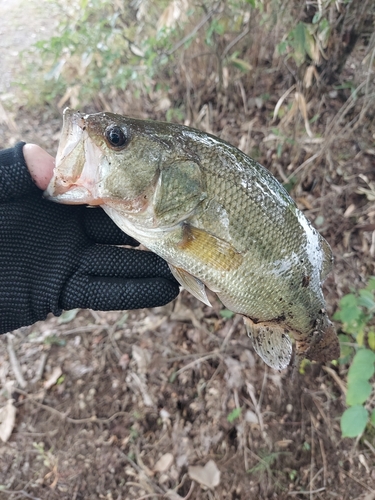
120	405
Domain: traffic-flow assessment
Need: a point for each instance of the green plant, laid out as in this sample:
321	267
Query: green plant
234	414
226	314
356	313
355	418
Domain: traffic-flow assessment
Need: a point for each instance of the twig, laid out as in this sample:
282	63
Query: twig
357	480
306	162
40	370
194	30
336	378
83	329
94	419
330	132
324	458
369	446
263	462
22	492
312	458
231	330
265	377
149	495
192	355
139	469
15	364
281	100
369	72
203	358
235	41
319	490
190	491
256	408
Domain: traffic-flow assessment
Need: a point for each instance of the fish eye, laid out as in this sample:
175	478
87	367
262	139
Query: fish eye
116	137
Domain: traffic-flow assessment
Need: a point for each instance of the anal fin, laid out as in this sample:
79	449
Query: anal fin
271	342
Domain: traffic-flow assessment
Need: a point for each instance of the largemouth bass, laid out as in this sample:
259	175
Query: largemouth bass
219	218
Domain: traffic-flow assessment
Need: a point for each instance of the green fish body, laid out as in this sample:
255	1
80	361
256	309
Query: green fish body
219	218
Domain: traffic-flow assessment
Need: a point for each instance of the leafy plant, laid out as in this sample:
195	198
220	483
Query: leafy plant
355	418
234	414
356	312
226	313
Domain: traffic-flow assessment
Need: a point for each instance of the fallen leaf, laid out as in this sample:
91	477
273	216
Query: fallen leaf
164	463
142	357
172	495
209	475
284	443
234	375
251	417
7	420
67	316
348	212
53	378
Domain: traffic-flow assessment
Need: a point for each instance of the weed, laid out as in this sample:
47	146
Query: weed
234	414
356	313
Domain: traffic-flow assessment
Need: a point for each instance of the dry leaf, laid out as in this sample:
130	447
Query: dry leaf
142	357
251	417
172	495
7	420
303	109
164	463
209	475
348	212
172	14
280	101
234	375
284	443
53	378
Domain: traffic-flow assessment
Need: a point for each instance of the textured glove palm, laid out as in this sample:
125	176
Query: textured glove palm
55	257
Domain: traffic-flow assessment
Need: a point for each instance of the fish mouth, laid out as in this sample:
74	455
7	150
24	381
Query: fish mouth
77	164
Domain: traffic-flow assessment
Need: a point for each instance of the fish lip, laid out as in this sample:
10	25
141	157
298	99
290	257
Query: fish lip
72	131
76	195
65	185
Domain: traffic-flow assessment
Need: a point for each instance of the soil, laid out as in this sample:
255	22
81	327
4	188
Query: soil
119	405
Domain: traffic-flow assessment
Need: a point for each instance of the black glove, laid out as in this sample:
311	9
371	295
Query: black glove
55	257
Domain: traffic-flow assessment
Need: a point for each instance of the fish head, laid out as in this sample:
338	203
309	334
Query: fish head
105	156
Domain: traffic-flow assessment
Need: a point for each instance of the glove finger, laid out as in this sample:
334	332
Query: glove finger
15	179
101	229
109	294
123	262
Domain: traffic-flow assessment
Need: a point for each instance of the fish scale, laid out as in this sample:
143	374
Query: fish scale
219	218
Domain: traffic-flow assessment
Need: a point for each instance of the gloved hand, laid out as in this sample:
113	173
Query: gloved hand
55	257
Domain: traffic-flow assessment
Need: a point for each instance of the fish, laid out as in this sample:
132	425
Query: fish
220	219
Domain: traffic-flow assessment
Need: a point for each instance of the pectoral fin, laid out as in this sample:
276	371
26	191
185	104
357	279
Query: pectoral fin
209	250
191	284
179	190
270	342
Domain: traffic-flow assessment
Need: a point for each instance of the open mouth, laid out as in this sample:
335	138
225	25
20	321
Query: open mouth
77	164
